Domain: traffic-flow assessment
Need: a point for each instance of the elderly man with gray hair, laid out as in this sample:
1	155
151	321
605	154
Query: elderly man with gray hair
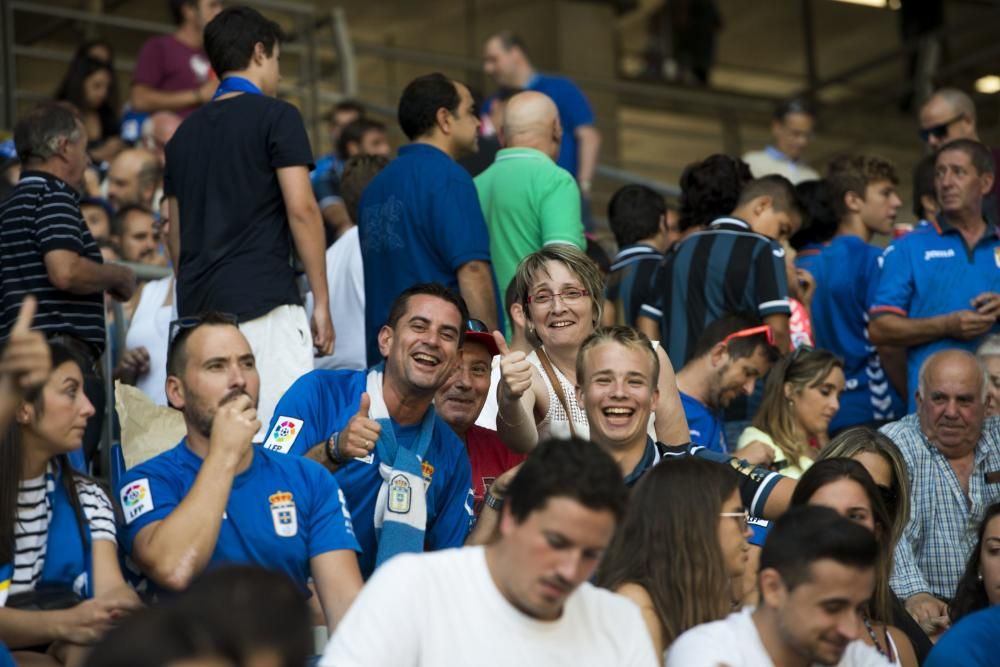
952	451
528	200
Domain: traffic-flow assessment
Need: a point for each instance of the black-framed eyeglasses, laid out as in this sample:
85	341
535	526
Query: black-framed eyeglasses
478	326
939	131
192	321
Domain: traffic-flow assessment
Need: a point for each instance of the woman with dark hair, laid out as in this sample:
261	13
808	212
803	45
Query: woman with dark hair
979	586
60	584
710	189
801	396
682	543
845	486
91	86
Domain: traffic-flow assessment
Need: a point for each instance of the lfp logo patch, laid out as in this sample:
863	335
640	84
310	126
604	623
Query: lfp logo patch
136	499
283	435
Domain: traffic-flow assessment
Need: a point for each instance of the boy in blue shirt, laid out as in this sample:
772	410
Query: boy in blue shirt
216	498
939	284
863	192
405	473
730	355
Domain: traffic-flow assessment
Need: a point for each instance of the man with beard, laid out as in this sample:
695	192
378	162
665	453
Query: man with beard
215	498
404	472
731	354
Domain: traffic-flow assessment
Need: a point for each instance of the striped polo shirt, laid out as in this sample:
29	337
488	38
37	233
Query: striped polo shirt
728	268
42	214
631	272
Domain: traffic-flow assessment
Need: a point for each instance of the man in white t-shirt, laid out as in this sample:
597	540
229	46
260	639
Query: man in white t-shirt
817	572
522	600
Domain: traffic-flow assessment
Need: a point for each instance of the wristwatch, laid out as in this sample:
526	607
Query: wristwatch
332	451
494	502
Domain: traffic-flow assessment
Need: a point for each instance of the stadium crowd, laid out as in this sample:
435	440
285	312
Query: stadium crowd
423	426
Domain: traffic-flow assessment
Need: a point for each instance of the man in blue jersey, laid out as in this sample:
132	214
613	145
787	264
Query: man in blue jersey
216	498
939	283
863	192
405	473
506	61
730	355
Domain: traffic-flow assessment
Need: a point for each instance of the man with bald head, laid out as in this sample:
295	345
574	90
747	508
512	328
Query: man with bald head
950	114
134	178
528	200
952	453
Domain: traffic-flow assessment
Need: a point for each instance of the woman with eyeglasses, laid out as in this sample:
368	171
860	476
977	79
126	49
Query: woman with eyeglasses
682	543
561	292
60	583
979	586
801	396
845	486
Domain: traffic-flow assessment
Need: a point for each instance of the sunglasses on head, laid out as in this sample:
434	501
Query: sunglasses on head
752	331
192	321
477	326
939	131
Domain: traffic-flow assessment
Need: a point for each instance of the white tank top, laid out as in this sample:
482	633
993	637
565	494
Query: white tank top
150	328
556	422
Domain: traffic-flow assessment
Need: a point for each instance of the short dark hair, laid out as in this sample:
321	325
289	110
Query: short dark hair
854	173
118	221
981	158
740	347
402	302
923	184
804	535
177	7
346	105
510	40
820	221
634	213
794	105
420	101
576	469
711	188
231	36
358	173
37	134
778	188
177	347
354	132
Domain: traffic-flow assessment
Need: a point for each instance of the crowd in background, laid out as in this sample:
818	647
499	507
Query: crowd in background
423	416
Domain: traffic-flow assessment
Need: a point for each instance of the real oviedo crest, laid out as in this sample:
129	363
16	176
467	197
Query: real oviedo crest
283	514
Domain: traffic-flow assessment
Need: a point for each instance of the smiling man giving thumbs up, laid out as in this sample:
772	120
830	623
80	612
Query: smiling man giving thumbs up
404	472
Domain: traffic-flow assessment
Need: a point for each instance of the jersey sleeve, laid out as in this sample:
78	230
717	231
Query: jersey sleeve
772	282
98	510
560	213
386	601
652	294
330	527
146	496
454	508
300	419
288	143
461	232
326	188
895	283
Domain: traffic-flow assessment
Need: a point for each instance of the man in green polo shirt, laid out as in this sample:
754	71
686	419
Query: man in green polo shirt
527	199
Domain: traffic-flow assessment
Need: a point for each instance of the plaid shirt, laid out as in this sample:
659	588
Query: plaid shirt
943	524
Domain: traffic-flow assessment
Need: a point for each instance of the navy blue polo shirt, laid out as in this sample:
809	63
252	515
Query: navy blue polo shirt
574	111
847	276
930	272
420	221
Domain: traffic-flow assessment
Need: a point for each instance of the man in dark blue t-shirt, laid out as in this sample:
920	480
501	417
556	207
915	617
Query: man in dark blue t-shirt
420	219
730	355
506	61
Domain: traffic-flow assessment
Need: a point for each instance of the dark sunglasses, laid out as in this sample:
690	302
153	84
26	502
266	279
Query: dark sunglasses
192	321
939	131
477	326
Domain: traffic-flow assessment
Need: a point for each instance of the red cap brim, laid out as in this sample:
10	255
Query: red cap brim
483	339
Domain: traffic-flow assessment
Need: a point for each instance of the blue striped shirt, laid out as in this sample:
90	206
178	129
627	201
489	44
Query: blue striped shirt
941	532
42	215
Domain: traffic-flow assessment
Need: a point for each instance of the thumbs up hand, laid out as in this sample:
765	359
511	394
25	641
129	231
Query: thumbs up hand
359	436
515	371
26	359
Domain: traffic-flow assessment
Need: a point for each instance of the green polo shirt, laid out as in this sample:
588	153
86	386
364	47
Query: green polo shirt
529	202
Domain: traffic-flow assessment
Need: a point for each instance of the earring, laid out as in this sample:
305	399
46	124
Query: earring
979	576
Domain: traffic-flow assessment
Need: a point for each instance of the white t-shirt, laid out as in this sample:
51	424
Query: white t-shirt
345	279
734	642
442	608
